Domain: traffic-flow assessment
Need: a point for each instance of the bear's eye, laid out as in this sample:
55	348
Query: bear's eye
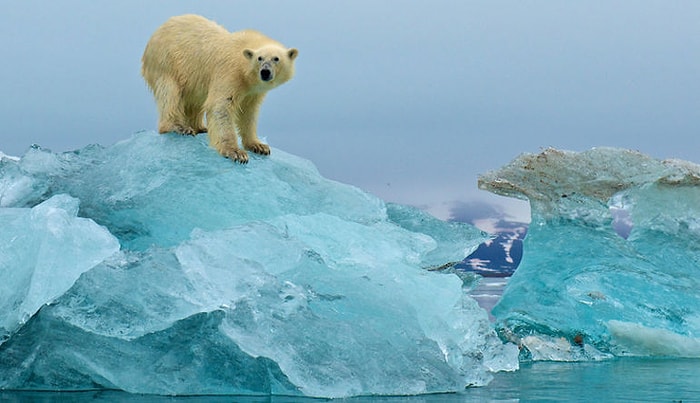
275	59
260	58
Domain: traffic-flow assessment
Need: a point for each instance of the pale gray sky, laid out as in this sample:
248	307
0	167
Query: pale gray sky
407	100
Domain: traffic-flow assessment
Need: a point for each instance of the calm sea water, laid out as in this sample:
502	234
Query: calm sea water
619	380
489	292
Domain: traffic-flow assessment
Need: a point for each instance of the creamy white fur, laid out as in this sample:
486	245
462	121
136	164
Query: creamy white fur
198	70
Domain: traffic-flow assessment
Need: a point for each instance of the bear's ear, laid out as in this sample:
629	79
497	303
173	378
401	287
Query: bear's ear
248	53
292	53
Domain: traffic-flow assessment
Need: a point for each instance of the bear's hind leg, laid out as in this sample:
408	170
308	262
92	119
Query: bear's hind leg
195	119
170	108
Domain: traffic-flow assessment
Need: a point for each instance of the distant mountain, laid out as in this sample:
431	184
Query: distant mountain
500	256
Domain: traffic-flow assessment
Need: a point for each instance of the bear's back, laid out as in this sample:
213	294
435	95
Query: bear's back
185	46
252	39
192	29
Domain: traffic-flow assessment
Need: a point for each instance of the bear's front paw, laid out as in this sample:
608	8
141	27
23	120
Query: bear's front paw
259	148
236	156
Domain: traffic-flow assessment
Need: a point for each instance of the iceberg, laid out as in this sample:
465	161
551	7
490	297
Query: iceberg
156	266
611	260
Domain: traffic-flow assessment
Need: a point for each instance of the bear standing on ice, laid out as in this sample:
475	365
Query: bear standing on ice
196	68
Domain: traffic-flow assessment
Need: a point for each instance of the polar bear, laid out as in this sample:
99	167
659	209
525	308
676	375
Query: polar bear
198	70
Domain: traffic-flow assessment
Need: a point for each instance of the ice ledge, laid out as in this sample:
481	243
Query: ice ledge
7	157
558	182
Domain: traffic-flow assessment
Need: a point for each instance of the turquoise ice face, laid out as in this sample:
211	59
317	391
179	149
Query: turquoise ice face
611	258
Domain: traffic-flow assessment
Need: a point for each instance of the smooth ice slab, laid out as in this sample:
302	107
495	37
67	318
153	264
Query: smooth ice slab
611	260
258	279
43	250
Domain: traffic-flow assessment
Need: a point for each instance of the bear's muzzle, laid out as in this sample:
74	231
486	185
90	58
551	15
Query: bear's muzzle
266	73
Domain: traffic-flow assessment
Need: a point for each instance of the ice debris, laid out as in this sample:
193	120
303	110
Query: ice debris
603	291
230	279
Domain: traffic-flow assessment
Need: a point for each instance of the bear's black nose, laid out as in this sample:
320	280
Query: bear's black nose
266	74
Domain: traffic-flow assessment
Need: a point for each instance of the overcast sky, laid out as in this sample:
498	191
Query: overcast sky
409	100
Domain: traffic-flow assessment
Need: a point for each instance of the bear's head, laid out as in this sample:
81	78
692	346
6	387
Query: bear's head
272	65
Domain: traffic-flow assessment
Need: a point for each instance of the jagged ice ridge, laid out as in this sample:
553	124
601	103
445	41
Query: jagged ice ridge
156	266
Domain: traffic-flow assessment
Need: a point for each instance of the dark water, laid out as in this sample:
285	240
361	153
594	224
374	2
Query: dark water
623	380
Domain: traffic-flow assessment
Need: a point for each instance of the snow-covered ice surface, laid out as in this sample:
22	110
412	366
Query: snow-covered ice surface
156	266
587	290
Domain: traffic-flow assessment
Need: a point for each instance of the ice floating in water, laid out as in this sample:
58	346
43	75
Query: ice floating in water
257	279
579	279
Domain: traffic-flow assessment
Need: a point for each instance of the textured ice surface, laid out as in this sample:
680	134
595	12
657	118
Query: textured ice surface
612	255
257	279
43	250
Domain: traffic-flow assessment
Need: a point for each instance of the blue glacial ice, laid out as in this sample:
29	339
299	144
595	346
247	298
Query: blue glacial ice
611	263
34	244
156	266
